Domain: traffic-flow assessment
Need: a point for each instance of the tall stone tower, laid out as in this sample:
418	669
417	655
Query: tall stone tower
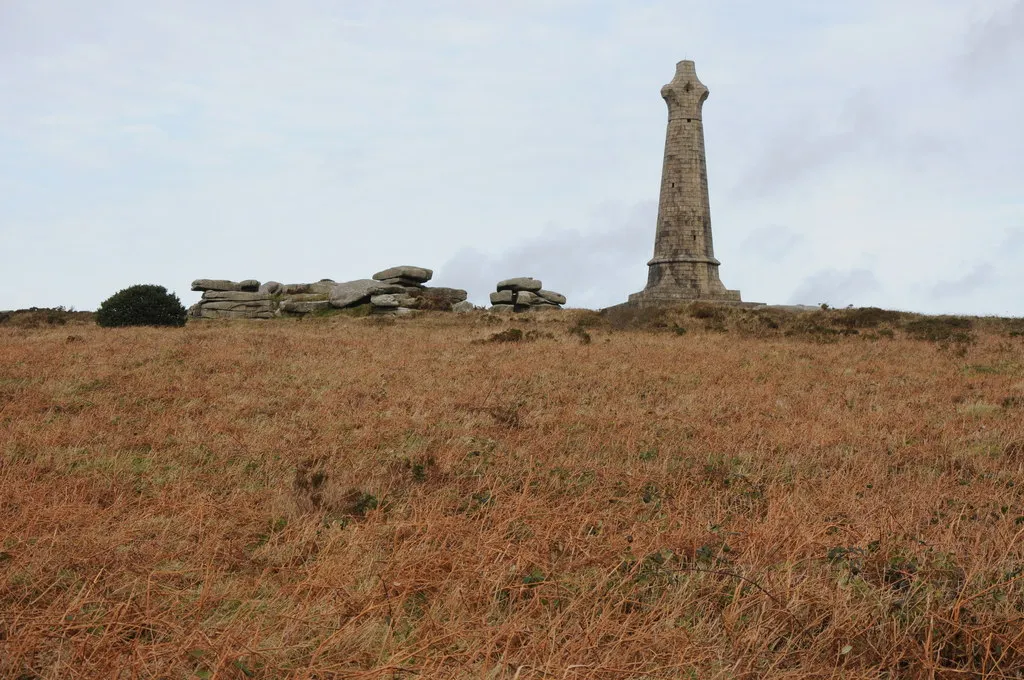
684	265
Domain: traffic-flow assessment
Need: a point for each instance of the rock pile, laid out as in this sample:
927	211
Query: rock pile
408	286
398	290
522	294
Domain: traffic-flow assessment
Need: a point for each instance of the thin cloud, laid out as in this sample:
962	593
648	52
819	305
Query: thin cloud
774	242
995	39
591	268
864	127
978	277
838	288
1013	243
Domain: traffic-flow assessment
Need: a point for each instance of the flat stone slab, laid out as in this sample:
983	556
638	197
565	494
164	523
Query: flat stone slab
234	314
414	274
503	297
356	292
257	305
453	294
214	284
322	287
520	283
552	296
237	296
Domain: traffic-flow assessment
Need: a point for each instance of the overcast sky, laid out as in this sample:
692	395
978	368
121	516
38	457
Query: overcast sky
867	153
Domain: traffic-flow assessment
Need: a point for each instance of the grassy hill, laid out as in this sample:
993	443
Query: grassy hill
705	493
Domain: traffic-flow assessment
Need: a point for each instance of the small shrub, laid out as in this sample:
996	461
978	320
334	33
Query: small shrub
141	305
508	335
363	502
534	577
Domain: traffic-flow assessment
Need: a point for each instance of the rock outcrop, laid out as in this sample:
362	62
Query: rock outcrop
414	294
396	291
522	294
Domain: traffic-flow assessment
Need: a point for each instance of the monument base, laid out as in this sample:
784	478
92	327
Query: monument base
649	299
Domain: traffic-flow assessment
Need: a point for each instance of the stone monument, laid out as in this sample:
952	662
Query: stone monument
684	267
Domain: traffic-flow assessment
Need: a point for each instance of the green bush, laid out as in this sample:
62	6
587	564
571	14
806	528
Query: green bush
142	305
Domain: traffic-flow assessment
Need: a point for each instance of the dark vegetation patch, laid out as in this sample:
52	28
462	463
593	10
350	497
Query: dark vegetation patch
580	333
940	328
358	311
821	325
517	335
1013	327
865	317
435	300
507	335
37	317
314	490
703	310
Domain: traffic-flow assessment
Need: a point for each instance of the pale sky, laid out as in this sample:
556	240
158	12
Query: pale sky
867	153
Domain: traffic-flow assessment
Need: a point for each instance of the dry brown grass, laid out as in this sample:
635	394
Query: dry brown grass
352	498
